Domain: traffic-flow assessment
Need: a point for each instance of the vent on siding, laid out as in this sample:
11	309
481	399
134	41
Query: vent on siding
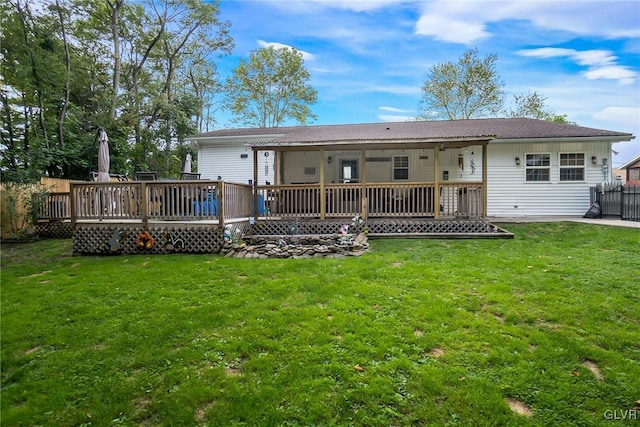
244	156
309	171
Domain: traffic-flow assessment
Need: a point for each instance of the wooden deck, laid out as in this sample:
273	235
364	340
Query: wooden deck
197	213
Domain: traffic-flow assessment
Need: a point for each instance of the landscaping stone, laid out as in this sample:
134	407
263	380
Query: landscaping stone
297	247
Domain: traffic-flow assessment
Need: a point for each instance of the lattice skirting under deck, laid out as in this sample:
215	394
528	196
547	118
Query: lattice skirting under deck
93	239
388	227
54	230
103	239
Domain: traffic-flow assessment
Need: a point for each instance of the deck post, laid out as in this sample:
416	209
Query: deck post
323	199
363	181
436	179
484	180
220	187
254	186
72	205
144	204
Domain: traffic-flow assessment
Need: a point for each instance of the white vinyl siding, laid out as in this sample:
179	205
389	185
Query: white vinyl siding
509	195
226	161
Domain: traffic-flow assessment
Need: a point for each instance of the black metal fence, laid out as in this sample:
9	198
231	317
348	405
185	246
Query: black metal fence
617	200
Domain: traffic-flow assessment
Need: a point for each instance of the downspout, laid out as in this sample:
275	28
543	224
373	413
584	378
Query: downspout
254	186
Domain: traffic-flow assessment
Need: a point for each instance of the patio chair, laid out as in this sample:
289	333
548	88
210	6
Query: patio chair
146	176
188	176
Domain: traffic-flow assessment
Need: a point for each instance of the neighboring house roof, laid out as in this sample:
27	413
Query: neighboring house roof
631	162
473	129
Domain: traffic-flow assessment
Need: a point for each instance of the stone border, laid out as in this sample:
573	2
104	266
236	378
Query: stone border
297	246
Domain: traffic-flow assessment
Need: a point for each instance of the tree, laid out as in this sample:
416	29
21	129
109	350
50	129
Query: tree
470	88
532	105
271	87
141	69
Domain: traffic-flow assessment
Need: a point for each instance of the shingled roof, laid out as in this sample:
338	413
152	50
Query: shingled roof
498	128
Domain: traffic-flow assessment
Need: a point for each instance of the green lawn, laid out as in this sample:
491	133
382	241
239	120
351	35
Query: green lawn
416	332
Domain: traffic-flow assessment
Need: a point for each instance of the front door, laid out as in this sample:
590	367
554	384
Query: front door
349	171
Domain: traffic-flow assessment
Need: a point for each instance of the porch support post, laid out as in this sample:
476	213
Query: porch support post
145	200
436	180
72	206
484	179
363	184
323	199
221	207
275	167
254	186
280	180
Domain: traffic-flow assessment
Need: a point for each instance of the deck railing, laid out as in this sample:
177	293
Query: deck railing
382	200
55	207
220	201
161	200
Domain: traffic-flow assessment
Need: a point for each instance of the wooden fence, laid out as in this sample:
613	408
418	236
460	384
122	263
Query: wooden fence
618	200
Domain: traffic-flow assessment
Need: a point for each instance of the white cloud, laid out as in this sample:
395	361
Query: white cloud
394	109
354	5
445	29
395	118
601	63
394	89
466	21
305	55
629	117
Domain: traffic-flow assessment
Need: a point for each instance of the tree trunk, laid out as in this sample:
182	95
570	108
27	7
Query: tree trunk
116	6
67	58
34	72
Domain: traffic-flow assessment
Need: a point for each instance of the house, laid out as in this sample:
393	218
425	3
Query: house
632	171
499	167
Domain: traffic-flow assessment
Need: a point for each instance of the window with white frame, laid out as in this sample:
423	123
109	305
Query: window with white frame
401	168
538	167
571	167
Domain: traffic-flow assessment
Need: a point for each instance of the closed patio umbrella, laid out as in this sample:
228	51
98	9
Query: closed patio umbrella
187	164
103	157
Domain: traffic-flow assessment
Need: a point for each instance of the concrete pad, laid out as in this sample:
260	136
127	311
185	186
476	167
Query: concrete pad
615	222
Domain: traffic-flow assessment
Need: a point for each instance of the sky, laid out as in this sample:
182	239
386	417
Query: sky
369	58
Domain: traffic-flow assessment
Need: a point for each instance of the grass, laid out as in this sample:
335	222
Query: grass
417	332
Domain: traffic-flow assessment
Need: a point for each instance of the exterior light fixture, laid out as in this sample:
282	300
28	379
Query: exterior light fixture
594	160
329	159
517	161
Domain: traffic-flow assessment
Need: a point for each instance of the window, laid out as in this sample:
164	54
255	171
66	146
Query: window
401	167
571	166
538	167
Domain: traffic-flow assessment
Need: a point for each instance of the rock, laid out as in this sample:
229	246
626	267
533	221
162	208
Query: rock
360	239
299	247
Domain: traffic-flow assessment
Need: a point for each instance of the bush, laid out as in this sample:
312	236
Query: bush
21	205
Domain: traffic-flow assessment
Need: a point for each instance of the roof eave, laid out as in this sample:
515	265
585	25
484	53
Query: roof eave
401	141
605	138
211	140
630	163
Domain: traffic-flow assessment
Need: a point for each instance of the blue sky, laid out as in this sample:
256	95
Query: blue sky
368	59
